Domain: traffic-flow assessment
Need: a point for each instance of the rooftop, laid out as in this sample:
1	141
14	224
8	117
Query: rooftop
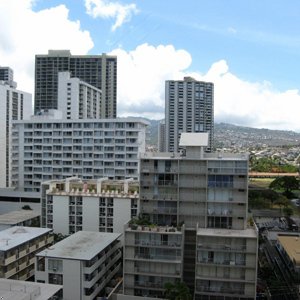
14	236
17	216
246	233
194	139
82	245
291	245
23	290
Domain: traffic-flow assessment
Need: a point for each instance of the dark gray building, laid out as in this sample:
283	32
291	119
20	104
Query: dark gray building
189	108
97	70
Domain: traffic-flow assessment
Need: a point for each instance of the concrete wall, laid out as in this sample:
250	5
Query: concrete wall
72	285
90	214
122	213
61	214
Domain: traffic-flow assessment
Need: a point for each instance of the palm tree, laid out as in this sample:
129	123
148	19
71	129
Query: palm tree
177	291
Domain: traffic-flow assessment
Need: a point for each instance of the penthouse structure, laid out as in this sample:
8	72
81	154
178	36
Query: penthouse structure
78	99
18	247
189	107
7	75
196	205
84	264
44	149
103	205
15	105
99	71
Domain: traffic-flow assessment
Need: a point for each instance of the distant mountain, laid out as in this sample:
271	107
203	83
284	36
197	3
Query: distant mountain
233	136
229	135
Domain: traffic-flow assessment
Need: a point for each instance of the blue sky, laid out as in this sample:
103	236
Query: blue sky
250	49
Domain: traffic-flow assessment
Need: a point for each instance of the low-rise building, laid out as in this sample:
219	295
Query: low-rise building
289	248
25	290
18	246
84	263
103	205
20	218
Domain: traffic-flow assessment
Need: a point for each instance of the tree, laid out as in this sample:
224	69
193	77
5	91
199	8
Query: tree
288	211
26	207
286	183
177	291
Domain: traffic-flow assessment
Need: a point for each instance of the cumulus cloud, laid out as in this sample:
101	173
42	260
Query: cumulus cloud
141	77
24	33
105	9
141	84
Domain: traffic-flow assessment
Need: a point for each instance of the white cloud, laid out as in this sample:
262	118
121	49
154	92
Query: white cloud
141	77
105	9
142	73
24	33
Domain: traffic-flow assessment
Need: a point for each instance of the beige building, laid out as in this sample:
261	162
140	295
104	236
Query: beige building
18	246
215	251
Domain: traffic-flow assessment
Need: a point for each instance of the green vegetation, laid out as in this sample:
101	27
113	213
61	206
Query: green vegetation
177	291
26	207
262	198
271	165
286	184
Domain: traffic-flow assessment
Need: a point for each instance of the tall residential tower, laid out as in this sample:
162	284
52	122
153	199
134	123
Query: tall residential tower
189	108
99	71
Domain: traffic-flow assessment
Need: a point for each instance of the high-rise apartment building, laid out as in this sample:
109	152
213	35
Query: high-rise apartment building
15	105
99	71
103	205
196	204
78	99
45	148
188	108
162	136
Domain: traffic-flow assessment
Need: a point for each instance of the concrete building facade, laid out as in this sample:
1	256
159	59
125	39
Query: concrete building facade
196	203
189	107
101	205
78	99
99	71
45	149
85	263
15	105
18	248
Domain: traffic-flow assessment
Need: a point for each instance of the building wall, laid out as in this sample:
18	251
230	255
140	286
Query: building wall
16	105
57	149
90	214
60	213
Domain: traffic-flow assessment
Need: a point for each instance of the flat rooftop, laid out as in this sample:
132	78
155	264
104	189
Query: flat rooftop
247	233
24	290
194	139
17	235
82	245
291	245
17	216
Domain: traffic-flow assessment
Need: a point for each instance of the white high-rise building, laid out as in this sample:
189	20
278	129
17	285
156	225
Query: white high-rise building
78	99
189	107
15	105
44	148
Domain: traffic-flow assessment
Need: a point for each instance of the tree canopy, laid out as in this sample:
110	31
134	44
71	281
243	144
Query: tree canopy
177	291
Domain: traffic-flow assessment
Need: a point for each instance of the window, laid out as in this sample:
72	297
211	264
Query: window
55	265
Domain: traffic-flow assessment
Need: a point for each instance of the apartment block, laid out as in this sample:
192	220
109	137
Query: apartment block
99	71
18	247
101	205
45	149
196	205
162	136
78	99
84	264
23	290
189	107
15	105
